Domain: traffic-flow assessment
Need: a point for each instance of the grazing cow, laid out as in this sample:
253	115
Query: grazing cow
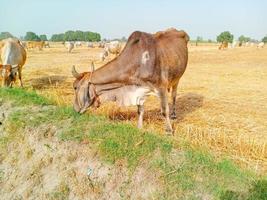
101	44
113	47
149	64
103	55
90	44
224	45
35	44
13	57
260	45
46	44
69	46
234	44
78	44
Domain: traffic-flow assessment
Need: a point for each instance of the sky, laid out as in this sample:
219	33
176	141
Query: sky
118	18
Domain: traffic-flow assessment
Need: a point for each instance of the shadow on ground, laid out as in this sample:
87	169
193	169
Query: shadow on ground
47	81
185	104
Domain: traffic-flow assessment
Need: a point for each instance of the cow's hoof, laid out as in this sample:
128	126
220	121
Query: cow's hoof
173	116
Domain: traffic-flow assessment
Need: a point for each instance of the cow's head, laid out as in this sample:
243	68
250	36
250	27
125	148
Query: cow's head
84	91
8	74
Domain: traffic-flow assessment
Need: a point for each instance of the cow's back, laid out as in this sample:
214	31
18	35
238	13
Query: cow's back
12	52
172	54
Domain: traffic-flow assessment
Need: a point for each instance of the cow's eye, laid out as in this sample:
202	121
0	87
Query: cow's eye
75	88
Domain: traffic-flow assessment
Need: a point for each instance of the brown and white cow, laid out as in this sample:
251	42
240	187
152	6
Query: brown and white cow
35	44
13	57
149	64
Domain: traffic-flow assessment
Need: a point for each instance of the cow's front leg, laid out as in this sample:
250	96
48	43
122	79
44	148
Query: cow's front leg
140	111
173	108
20	77
165	110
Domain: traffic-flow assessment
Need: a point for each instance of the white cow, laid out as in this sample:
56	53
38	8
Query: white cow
233	44
12	55
69	46
103	55
78	44
90	44
260	45
113	47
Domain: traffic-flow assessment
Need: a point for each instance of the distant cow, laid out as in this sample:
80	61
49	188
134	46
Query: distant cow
78	44
46	44
90	44
101	44
35	44
260	45
69	46
13	57
233	44
103	55
224	45
113	47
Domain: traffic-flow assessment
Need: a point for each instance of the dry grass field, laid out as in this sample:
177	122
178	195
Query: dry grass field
222	97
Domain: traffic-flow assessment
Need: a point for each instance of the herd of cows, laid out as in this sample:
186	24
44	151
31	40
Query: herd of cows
149	64
113	47
224	44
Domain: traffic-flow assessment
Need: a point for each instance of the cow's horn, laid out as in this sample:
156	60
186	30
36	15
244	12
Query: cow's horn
75	74
92	67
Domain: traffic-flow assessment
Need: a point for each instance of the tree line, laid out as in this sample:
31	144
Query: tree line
67	36
93	36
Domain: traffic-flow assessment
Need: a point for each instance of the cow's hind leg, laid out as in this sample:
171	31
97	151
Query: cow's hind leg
20	77
173	109
165	110
140	111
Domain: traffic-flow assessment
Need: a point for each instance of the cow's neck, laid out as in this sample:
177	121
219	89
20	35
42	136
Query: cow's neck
116	71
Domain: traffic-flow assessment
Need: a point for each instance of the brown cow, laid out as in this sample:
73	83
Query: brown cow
224	45
6	74
149	64
35	44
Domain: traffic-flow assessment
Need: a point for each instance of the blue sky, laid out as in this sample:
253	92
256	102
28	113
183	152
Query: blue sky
119	18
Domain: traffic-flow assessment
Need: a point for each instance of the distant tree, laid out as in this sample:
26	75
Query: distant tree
57	37
43	37
4	35
69	36
31	36
264	39
210	41
199	39
123	39
243	39
225	36
76	36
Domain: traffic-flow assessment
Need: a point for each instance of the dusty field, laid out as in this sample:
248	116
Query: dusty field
221	97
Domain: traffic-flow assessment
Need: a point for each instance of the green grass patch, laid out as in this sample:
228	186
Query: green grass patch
186	173
22	97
